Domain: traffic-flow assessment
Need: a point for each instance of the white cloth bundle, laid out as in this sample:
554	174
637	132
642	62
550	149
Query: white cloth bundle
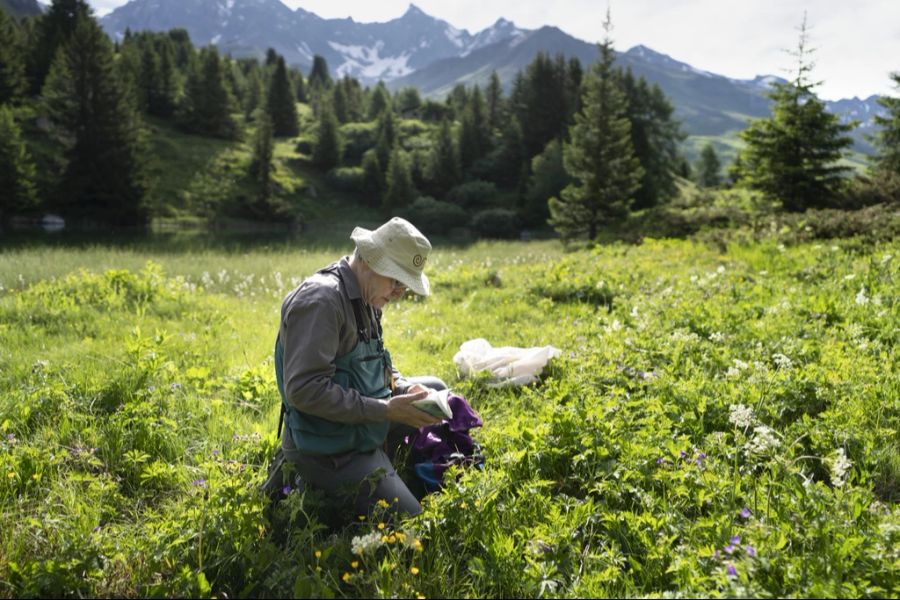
508	365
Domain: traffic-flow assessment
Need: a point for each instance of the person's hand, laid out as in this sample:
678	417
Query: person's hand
418	387
401	409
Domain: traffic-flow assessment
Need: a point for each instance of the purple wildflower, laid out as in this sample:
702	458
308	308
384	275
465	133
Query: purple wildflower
730	548
199	483
732	572
746	513
717	554
10	437
660	460
286	490
751	551
97	528
735	539
175	386
682	454
216	452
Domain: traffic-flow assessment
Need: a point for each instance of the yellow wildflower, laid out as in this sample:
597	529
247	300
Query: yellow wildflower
383	503
11	474
355	564
381	526
401	537
417	545
345	577
392	538
414	570
318	554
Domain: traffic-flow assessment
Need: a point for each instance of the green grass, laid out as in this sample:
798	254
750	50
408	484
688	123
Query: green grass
137	406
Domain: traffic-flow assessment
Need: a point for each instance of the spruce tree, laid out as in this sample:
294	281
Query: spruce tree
655	136
339	102
380	102
444	168
510	158
548	179
792	156
494	102
207	104
408	101
386	138
299	86
12	60
474	133
400	191
165	96
328	148
102	177
373	184
52	30
888	139
708	168
261	161
281	104
542	102
253	99
319	76
600	157
17	173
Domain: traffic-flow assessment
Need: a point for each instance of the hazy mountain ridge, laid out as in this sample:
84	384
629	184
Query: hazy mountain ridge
431	54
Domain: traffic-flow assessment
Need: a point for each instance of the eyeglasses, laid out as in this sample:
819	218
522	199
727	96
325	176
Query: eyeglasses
397	285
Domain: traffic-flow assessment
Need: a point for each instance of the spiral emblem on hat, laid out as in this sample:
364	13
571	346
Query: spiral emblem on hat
418	260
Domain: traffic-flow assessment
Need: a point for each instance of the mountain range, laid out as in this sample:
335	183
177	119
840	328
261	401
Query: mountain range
419	50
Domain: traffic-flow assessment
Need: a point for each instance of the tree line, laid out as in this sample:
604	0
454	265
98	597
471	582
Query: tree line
573	148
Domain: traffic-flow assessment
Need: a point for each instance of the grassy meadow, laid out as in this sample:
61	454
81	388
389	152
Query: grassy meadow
723	421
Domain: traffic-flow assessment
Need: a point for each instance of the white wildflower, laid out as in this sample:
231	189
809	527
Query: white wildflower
835	248
361	544
886	258
634	311
861	297
782	361
763	273
840	465
877	300
721	269
717	336
781	247
741	416
735	371
763	440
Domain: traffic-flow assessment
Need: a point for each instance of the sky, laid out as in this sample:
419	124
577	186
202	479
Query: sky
856	42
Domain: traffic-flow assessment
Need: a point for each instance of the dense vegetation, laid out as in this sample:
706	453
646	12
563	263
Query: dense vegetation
723	421
151	128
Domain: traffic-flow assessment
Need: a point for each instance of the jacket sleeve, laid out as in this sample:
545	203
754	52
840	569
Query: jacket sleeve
310	335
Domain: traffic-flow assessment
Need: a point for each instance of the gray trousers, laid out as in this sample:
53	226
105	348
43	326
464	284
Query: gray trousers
363	477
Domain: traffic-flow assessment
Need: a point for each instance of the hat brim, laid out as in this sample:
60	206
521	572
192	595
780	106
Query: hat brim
387	267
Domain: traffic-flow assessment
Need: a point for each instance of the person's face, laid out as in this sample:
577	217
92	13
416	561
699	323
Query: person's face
383	289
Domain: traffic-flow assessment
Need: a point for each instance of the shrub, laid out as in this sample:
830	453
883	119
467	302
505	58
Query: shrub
473	194
346	179
304	146
881	188
433	216
358	137
501	223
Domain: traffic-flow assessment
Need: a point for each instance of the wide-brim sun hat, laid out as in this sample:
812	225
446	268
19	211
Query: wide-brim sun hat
397	250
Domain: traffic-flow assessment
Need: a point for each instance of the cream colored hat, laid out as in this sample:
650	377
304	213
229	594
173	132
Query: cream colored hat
397	250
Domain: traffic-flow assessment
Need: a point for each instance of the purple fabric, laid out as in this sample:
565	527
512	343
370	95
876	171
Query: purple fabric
464	418
448	442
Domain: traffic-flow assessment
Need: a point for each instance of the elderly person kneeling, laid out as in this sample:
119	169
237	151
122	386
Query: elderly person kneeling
345	404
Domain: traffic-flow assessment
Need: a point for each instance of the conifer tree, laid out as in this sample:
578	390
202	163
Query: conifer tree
12	60
655	136
207	104
548	179
792	156
474	133
408	101
400	191
380	102
386	138
328	148
299	86
102	178
165	97
261	161
374	184
17	173
600	157
709	167
542	104
494	101
52	30
319	76
888	139
253	99
281	104
339	102
510	156
445	170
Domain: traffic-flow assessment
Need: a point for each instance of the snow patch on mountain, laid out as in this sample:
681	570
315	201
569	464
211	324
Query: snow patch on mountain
362	61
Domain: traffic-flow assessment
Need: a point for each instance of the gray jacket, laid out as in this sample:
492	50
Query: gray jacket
317	326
